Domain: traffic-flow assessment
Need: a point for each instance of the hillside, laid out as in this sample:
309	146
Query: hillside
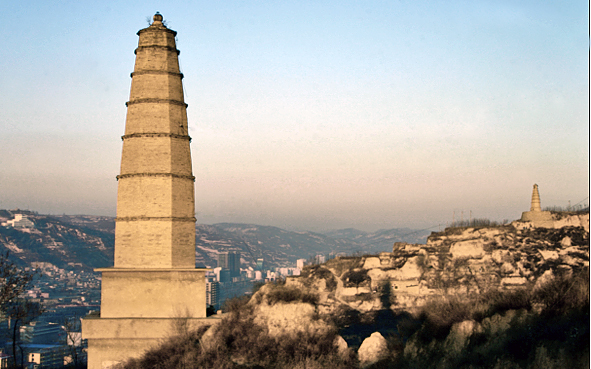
281	248
457	261
88	241
81	245
512	296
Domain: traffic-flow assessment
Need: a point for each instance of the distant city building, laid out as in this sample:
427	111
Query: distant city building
286	272
4	359
42	333
271	276
222	275
46	356
260	264
19	221
216	273
225	276
300	263
319	259
231	290
212	293
231	261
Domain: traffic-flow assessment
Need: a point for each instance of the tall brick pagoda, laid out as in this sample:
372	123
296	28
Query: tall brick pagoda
154	281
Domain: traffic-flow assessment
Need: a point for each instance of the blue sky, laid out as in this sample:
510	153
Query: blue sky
309	115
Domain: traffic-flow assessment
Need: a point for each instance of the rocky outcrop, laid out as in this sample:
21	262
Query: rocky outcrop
455	261
373	349
292	318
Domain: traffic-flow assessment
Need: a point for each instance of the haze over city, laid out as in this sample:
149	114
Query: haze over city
309	115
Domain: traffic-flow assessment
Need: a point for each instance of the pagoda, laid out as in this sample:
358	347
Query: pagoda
535	215
153	282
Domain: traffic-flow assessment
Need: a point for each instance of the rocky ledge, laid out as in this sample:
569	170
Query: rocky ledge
457	261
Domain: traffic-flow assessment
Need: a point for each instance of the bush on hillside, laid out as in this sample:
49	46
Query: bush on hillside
355	277
289	294
278	291
512	333
312	272
238	342
235	304
564	294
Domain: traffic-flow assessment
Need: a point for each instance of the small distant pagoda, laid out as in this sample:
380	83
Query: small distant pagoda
535	214
154	281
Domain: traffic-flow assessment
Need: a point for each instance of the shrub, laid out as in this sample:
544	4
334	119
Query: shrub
238	342
564	294
495	301
289	294
235	304
172	354
558	337
319	272
322	273
439	315
355	277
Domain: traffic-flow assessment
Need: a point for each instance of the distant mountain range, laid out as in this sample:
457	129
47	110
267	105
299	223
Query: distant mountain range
86	242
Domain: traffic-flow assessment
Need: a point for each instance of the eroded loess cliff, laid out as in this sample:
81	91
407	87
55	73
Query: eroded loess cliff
457	261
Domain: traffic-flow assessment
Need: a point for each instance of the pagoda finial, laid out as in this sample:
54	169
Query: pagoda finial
157	18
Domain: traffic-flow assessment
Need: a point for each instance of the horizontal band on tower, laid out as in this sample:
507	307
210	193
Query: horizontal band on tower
155	71
172	175
153	29
171	135
157	47
153	100
141	218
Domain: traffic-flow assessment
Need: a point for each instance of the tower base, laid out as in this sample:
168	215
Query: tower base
140	308
113	340
538	218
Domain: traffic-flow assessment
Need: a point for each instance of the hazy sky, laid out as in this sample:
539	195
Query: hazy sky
309	114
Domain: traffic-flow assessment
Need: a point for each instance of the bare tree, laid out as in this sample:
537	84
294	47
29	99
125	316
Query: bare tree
21	311
13	280
72	326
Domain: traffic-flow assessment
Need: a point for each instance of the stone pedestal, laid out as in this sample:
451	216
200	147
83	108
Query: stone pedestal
113	340
152	293
538	218
140	309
